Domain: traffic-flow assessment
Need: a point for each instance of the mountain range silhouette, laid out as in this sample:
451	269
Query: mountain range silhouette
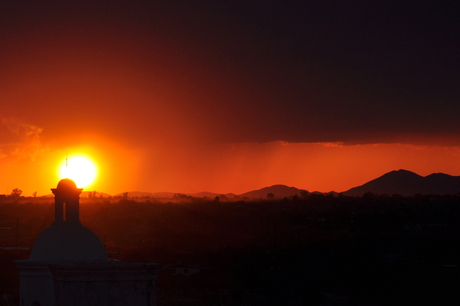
279	191
401	182
407	183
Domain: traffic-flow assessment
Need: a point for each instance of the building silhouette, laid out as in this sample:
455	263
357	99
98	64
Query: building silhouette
68	264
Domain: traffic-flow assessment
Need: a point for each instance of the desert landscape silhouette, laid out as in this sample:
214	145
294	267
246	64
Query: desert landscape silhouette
320	248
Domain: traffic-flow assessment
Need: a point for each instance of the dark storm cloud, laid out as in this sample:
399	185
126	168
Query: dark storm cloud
242	71
359	72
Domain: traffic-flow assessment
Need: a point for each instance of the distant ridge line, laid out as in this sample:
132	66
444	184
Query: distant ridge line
402	182
407	183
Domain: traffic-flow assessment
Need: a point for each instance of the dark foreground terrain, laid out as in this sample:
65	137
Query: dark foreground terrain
314	250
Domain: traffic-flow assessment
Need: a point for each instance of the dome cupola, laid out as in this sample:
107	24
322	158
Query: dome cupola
67	240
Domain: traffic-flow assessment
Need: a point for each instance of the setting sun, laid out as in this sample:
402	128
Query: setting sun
80	169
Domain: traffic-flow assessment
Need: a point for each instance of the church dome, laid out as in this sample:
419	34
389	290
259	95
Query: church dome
68	242
66	184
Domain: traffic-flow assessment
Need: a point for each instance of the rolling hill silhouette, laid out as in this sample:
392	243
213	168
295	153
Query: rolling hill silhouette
402	182
407	183
279	191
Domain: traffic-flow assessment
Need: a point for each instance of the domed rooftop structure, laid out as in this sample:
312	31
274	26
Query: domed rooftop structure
68	265
66	184
67	240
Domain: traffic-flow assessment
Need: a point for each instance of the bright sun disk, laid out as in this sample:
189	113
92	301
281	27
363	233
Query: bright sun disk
80	169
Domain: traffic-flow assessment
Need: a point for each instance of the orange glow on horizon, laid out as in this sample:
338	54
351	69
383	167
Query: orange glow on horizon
227	168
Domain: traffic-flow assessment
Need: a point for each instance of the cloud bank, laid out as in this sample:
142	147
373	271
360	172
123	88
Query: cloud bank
20	142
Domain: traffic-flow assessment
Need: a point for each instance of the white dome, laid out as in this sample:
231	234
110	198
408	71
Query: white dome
68	242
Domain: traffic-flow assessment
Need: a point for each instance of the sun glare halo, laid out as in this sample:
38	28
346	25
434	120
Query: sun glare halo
80	169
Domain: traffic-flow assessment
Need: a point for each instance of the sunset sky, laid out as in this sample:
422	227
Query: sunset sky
228	96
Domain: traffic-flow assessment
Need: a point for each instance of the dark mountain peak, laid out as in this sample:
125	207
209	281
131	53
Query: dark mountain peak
396	176
276	190
407	183
279	186
401	173
439	176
